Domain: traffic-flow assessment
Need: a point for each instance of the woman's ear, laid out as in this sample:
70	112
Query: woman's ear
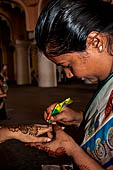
95	40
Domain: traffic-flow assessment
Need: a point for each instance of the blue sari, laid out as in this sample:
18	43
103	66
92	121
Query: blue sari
98	139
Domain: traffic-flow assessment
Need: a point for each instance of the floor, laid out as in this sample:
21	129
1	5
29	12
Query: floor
25	105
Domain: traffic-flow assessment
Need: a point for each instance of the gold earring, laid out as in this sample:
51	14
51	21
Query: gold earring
100	48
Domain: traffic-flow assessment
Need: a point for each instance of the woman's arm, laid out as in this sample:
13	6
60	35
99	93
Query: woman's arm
83	160
63	143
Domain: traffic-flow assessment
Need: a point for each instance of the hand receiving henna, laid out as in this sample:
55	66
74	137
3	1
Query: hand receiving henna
61	145
26	133
33	130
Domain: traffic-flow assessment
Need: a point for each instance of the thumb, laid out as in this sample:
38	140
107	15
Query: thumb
43	139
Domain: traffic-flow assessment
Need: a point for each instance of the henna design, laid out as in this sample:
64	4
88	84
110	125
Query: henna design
83	167
13	129
27	129
58	152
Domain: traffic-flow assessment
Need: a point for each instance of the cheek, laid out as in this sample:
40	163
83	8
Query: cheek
79	70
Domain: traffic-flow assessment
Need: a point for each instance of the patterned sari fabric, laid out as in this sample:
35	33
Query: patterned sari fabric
98	140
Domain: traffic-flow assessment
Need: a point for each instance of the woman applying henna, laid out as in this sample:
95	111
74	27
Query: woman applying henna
78	35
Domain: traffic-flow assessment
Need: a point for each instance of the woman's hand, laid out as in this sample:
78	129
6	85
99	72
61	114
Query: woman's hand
62	144
26	133
67	116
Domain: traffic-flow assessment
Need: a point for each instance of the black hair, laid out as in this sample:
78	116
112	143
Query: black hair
63	25
2	66
1	78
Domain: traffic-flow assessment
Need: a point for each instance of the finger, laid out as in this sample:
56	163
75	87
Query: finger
49	117
45	115
50	108
39	125
58	117
40	146
45	130
50	135
29	138
65	122
34	144
57	128
63	127
43	139
31	144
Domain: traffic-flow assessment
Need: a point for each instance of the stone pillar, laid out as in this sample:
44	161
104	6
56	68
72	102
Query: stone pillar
46	72
22	62
46	69
60	68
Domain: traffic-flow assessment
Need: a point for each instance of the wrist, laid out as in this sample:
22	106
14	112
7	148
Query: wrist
5	134
13	133
76	151
78	118
73	149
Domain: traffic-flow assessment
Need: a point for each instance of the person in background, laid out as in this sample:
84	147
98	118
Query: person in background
78	35
3	73
4	89
3	115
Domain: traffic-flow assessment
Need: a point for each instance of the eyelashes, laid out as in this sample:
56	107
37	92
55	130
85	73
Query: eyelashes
68	66
64	67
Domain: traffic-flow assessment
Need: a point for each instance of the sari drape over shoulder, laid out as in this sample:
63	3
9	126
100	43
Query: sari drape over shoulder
98	139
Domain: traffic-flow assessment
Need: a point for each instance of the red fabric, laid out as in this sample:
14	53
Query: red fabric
109	105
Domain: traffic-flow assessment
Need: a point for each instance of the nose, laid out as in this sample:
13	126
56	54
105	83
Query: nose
69	73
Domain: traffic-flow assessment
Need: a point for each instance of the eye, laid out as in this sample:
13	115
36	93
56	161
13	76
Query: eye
68	66
62	64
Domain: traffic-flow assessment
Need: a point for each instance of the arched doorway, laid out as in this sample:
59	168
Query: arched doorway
6	52
12	28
